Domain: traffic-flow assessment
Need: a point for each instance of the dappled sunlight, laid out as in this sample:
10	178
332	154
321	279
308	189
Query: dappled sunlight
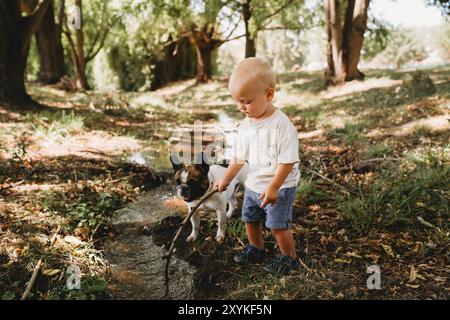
433	124
358	87
95	144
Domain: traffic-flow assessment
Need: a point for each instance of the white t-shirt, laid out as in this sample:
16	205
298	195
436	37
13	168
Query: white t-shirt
265	144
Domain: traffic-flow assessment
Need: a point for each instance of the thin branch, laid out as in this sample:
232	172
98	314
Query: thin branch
91	56
287	4
329	180
233	29
185	221
38	267
234	38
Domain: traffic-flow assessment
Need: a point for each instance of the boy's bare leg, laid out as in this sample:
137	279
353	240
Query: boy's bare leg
285	240
254	234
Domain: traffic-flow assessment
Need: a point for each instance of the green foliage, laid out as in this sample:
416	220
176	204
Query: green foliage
55	123
91	288
33	61
94	214
418	84
401	49
400	196
377	37
236	229
349	134
378	150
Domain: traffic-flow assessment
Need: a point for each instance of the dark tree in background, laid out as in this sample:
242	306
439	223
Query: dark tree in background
48	41
15	35
250	40
51	52
345	43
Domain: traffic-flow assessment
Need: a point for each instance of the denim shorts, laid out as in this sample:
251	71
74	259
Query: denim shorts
277	215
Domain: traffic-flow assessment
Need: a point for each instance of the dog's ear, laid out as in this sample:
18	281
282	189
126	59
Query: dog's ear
176	162
201	162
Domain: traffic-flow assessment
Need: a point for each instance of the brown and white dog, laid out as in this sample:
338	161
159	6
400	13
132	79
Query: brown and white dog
194	180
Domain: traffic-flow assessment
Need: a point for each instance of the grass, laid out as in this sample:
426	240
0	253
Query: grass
378	150
50	123
399	197
349	134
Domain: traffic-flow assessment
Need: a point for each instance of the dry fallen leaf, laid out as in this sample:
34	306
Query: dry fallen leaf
412	274
388	250
338	260
51	272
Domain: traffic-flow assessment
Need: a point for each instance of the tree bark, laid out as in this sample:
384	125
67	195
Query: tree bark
250	40
204	68
51	52
204	45
356	39
15	35
344	44
81	63
178	63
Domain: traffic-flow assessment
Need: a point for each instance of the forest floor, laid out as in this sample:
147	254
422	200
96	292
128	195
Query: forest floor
375	161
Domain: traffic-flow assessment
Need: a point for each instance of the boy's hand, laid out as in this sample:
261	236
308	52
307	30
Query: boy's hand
270	196
221	185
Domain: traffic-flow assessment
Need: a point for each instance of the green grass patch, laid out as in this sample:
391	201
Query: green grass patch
349	134
401	197
59	123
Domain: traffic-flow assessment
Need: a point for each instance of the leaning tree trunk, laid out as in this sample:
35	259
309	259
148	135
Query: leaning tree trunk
204	46
344	45
51	52
204	68
355	34
250	40
15	35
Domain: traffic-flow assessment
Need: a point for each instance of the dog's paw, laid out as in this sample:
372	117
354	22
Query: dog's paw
220	237
192	238
230	214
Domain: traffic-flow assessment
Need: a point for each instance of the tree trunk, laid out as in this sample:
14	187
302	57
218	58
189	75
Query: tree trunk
204	45
250	40
81	63
335	72
12	66
344	44
51	53
204	68
356	38
15	35
178	63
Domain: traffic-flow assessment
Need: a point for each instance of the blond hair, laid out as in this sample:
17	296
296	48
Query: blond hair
256	71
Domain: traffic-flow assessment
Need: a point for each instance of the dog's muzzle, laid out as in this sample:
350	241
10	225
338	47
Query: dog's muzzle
184	192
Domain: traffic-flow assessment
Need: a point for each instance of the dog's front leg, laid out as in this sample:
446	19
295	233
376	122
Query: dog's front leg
195	221
221	224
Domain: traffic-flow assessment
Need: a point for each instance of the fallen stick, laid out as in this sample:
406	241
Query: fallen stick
329	180
168	255
38	267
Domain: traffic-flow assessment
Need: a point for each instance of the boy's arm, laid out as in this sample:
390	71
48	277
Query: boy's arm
233	168
271	194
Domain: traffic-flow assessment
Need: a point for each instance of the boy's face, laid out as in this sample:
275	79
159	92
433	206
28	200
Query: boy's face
252	101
